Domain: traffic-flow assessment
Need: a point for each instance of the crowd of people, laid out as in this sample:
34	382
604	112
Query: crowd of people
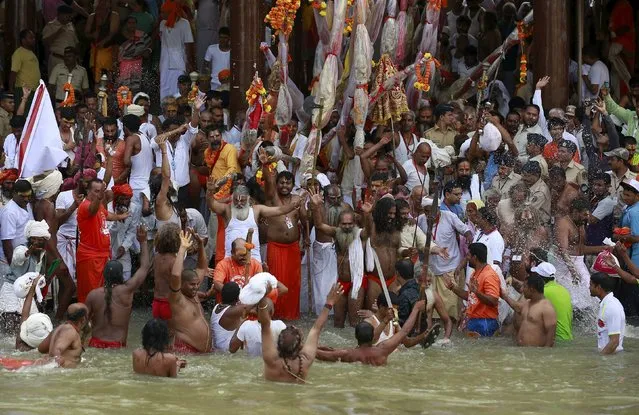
490	217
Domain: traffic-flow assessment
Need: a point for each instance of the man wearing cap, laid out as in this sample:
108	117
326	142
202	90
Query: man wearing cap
619	172
146	128
443	133
575	172
558	296
144	101
530	125
611	318
58	35
7	178
630	218
534	149
556	127
539	194
110	306
67	71
505	178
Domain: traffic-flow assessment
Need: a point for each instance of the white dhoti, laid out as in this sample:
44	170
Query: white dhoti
324	272
66	248
168	81
579	292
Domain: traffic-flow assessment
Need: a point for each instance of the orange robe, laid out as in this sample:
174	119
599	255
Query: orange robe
285	263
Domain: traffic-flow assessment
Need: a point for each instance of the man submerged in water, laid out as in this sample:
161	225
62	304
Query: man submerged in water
538	321
65	344
290	361
368	353
153	359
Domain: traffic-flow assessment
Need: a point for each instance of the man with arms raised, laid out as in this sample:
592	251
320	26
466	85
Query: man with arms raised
65	343
538	317
110	306
368	353
349	239
192	333
291	360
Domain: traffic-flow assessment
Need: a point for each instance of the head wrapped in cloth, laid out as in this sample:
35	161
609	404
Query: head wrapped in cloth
121	190
136	110
22	285
35	229
35	329
86	174
49	186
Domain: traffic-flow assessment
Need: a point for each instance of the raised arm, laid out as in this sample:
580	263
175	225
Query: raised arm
269	350
175	280
310	346
391	344
145	263
316	203
263	211
515	305
270	192
202	269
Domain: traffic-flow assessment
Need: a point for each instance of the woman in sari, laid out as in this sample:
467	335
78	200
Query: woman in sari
136	46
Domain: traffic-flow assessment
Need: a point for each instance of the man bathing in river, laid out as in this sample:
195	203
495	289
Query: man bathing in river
368	353
188	324
65	344
153	359
538	317
290	361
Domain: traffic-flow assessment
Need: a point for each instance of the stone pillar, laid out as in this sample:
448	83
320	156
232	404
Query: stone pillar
551	50
247	31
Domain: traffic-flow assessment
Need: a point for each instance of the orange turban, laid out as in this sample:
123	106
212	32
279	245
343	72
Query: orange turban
122	190
8	174
173	10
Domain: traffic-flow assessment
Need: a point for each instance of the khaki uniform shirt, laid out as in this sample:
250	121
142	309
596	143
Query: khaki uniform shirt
542	163
503	186
615	185
540	198
5	128
440	137
576	173
60	74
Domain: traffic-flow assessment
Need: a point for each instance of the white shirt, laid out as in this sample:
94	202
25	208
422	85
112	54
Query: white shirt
11	152
403	152
415	178
173	55
611	320
63	202
598	75
604	207
149	131
197	223
250	333
219	60
445	236
179	156
14	219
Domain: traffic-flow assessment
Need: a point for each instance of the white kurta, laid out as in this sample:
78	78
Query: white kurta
173	55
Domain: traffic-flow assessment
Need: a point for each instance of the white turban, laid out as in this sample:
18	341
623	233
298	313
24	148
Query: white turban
256	288
35	329
135	110
48	186
140	95
427	201
35	229
22	285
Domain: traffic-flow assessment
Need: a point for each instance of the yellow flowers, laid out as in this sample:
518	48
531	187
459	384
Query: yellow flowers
281	17
255	91
268	108
321	6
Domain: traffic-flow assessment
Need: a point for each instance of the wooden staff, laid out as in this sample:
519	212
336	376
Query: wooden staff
249	244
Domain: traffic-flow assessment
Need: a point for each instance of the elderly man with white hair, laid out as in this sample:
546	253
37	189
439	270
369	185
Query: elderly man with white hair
27	258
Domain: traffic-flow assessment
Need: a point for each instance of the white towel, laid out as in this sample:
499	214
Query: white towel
22	285
356	262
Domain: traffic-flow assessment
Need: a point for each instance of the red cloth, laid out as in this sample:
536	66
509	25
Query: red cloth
89	275
348	285
122	190
103	344
181	347
161	308
220	249
9	174
10	363
95	239
375	279
285	263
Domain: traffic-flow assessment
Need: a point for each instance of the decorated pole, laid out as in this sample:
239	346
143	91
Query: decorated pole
249	246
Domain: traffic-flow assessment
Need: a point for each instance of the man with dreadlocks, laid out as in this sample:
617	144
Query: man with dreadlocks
153	358
291	359
384	241
110	306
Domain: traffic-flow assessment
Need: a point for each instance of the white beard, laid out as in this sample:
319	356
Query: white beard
240	214
343	239
332	214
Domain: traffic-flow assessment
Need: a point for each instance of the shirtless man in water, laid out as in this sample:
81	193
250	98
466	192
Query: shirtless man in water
65	343
561	193
344	236
153	358
110	306
368	353
290	361
191	330
385	240
167	244
538	317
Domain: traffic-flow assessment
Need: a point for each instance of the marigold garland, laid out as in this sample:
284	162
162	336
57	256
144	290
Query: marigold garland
281	17
319	5
523	32
225	190
259	175
121	93
423	79
437	4
69	101
257	91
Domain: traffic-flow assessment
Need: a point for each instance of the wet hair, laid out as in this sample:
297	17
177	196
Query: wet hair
364	333
113	276
155	336
289	342
285	174
381	299
579	204
167	240
604	281
540	254
405	269
488	215
109	121
479	250
452	184
17	121
380	215
21	186
536	282
67	112
230	293
77	315
131	122
556	122
533	106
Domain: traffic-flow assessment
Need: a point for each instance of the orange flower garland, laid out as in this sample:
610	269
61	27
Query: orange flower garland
319	5
255	92
281	17
69	101
259	175
423	79
523	32
223	75
225	190
122	91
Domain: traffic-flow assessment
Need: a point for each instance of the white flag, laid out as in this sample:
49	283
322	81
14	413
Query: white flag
41	145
